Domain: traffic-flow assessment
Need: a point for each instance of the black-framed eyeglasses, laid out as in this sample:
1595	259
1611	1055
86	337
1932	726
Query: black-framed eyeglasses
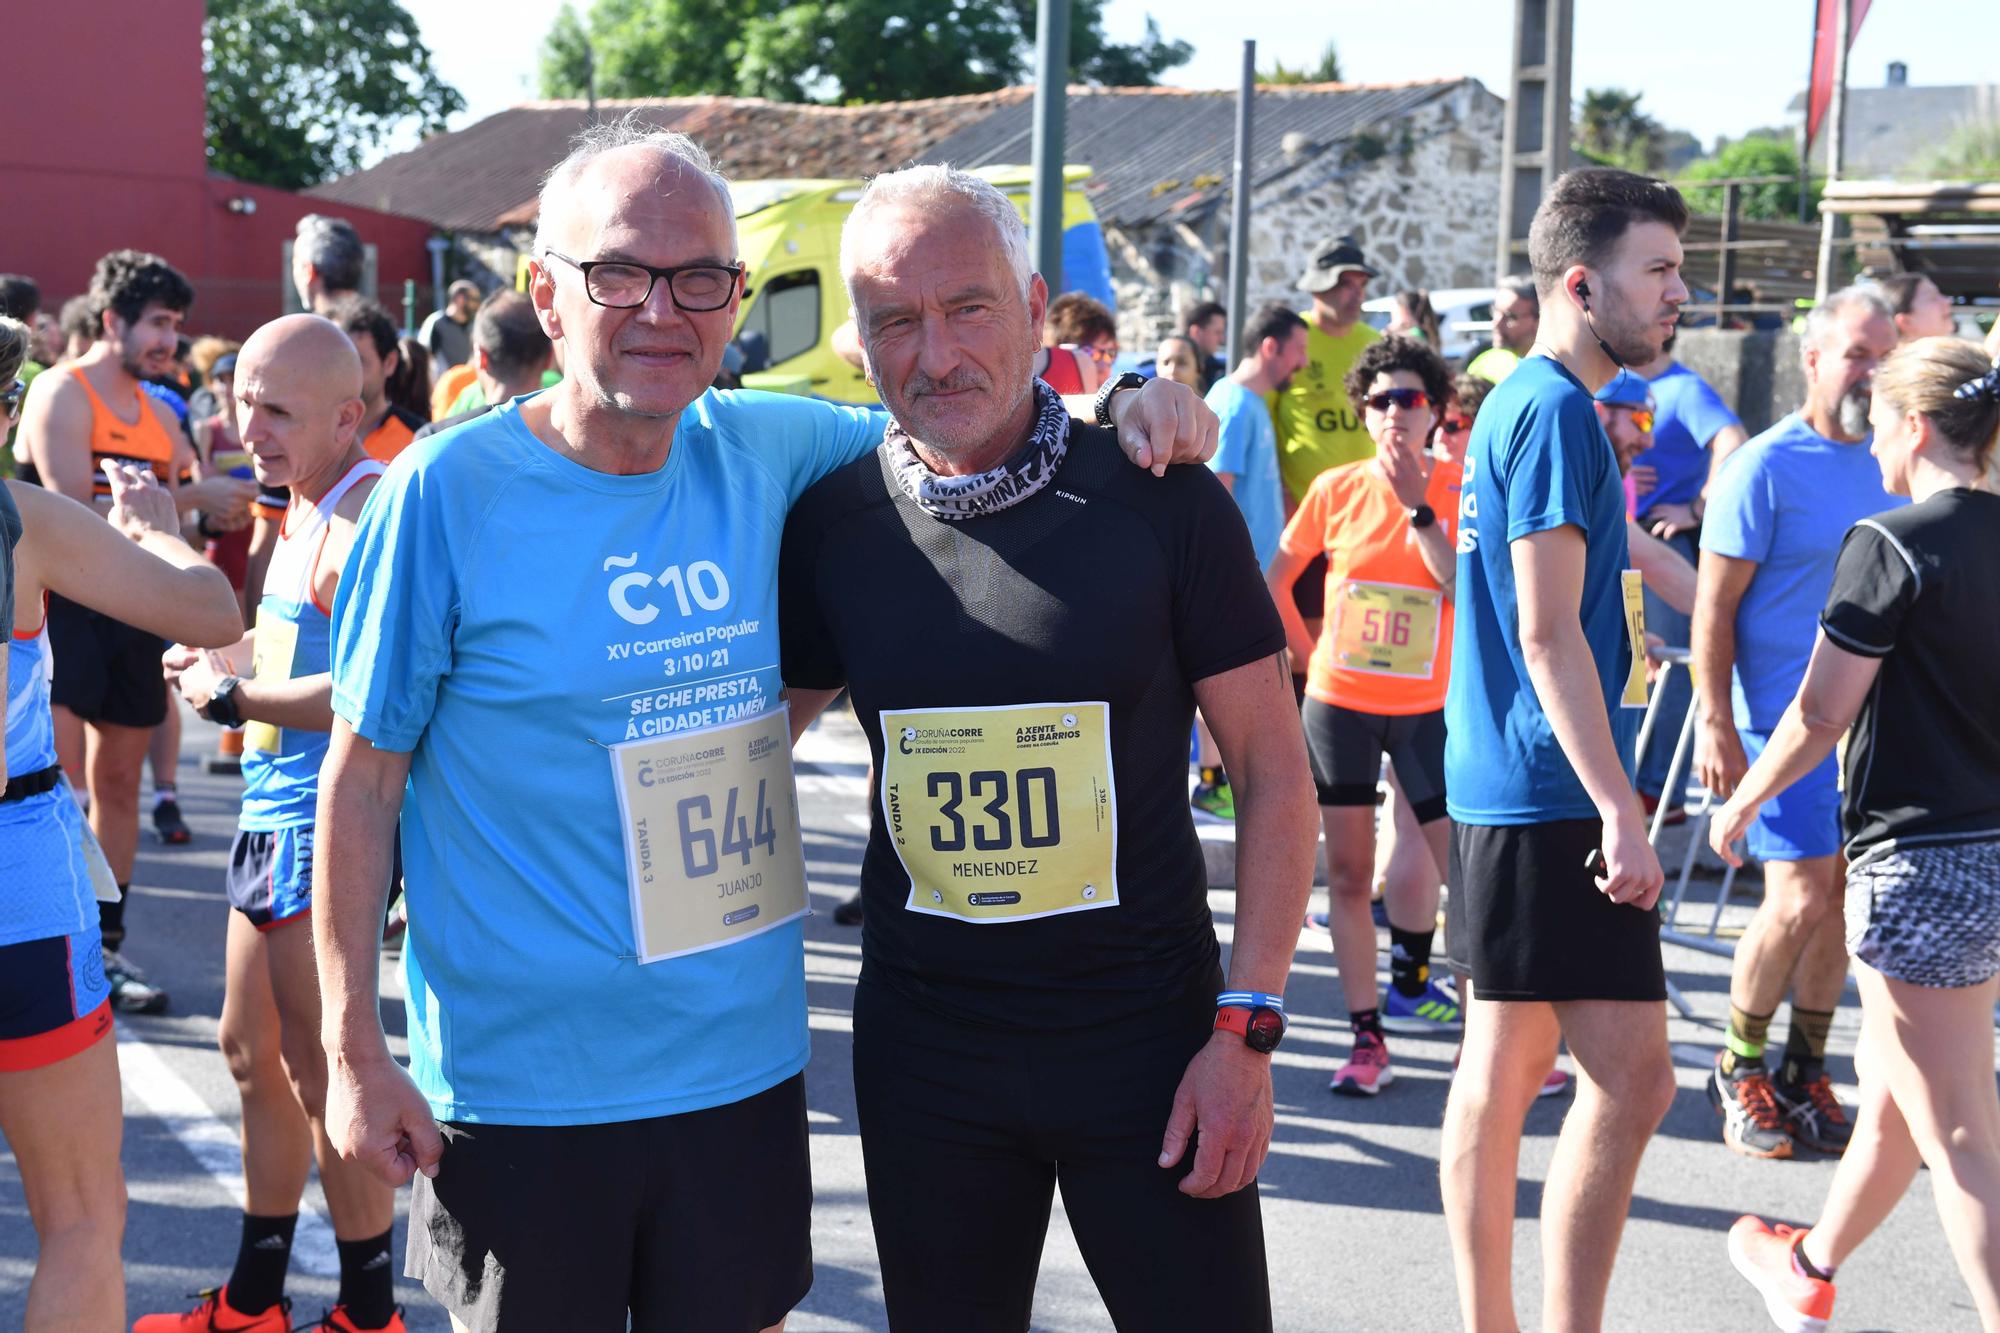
10	401
618	284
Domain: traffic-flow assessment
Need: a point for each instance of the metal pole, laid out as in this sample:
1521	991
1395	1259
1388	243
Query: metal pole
1239	209
1045	201
1725	256
1835	144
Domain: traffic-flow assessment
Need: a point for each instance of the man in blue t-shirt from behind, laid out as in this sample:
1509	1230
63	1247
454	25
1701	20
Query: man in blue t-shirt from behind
1694	432
1776	518
1552	878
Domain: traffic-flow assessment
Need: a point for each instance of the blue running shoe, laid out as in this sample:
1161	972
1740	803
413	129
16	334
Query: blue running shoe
1436	1010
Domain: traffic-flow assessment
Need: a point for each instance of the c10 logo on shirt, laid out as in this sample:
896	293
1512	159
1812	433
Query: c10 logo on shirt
701	584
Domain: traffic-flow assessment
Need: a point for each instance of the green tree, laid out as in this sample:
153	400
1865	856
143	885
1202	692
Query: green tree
1757	155
1971	152
1326	71
302	90
843	51
1612	131
566	55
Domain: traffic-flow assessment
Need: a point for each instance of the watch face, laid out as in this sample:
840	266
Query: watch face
1267	1029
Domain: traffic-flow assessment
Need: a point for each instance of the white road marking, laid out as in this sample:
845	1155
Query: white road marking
169	1099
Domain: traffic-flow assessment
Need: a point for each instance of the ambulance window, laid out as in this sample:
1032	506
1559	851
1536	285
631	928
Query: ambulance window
786	312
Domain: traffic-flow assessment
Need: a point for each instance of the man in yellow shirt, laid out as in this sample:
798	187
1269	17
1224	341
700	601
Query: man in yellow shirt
1517	320
1317	427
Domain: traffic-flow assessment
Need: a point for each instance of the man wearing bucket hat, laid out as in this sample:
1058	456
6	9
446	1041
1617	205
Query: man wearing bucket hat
1317	427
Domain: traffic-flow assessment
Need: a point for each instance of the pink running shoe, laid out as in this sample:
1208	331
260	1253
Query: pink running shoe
1763	1254
1367	1070
1554	1083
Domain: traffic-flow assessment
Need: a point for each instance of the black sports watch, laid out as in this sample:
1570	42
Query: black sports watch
1423	516
222	708
1101	409
1261	1028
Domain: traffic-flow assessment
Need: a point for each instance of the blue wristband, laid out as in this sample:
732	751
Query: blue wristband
1249	999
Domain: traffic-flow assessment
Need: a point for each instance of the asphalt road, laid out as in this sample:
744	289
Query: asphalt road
1351	1208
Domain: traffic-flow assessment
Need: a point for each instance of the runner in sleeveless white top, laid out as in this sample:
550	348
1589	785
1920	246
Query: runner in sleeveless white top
298	405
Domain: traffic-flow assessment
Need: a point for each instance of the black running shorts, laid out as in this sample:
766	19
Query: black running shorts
1345	748
694	1221
103	670
1526	916
967	1131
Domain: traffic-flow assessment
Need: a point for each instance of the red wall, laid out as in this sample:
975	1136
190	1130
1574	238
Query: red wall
90	164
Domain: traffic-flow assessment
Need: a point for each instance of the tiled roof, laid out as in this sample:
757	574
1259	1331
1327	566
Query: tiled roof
1157	152
1154	151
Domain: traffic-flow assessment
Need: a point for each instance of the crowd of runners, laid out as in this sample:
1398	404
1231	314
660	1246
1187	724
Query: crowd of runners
539	612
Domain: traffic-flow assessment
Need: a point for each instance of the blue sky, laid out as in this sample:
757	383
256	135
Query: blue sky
1709	66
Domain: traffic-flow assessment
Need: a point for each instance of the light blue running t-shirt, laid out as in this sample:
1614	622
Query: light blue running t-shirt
505	615
1786	500
1247	449
1538	460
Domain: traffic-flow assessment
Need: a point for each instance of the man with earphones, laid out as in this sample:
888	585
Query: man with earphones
1549	854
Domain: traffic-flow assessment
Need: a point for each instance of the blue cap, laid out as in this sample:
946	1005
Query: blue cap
1626	390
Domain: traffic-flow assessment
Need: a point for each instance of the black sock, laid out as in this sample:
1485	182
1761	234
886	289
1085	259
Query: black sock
111	919
258	1281
1805	1047
1410	959
367	1280
1214	776
1365	1020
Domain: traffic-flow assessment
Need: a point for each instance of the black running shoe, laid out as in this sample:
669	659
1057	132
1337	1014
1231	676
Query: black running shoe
168	826
131	993
1753	1123
1814	1116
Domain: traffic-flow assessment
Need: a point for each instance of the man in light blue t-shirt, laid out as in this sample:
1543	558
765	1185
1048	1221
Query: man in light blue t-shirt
1246	451
1777	514
556	658
1693	433
1552	878
1246	460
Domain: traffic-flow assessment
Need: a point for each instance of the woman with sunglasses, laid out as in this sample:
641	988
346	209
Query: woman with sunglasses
59	1096
1375	685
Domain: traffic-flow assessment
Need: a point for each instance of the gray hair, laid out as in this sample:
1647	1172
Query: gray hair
924	189
1521	289
631	130
1819	320
333	248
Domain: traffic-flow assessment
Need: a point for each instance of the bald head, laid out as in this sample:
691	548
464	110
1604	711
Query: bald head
626	187
298	401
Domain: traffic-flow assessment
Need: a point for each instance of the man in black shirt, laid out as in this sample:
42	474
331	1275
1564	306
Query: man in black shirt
1026	624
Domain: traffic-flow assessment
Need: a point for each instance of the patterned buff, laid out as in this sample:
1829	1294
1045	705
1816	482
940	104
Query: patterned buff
1032	467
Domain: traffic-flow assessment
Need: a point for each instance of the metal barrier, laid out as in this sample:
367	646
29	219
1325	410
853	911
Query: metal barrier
1700	805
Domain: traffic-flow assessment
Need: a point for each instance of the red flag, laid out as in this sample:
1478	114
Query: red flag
1820	94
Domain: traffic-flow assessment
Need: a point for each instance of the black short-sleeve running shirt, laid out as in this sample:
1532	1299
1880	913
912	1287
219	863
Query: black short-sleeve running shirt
1093	604
1919	587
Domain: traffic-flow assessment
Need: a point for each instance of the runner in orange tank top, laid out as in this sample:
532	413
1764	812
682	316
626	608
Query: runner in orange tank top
1375	685
106	675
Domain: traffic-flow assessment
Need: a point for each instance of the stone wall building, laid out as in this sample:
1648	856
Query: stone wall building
1412	170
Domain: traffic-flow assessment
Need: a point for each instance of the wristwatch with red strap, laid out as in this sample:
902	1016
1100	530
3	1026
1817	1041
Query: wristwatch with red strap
1257	1018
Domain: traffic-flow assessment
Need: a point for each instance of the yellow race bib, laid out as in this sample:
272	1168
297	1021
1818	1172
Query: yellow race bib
1387	629
1003	813
275	644
1635	630
711	825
